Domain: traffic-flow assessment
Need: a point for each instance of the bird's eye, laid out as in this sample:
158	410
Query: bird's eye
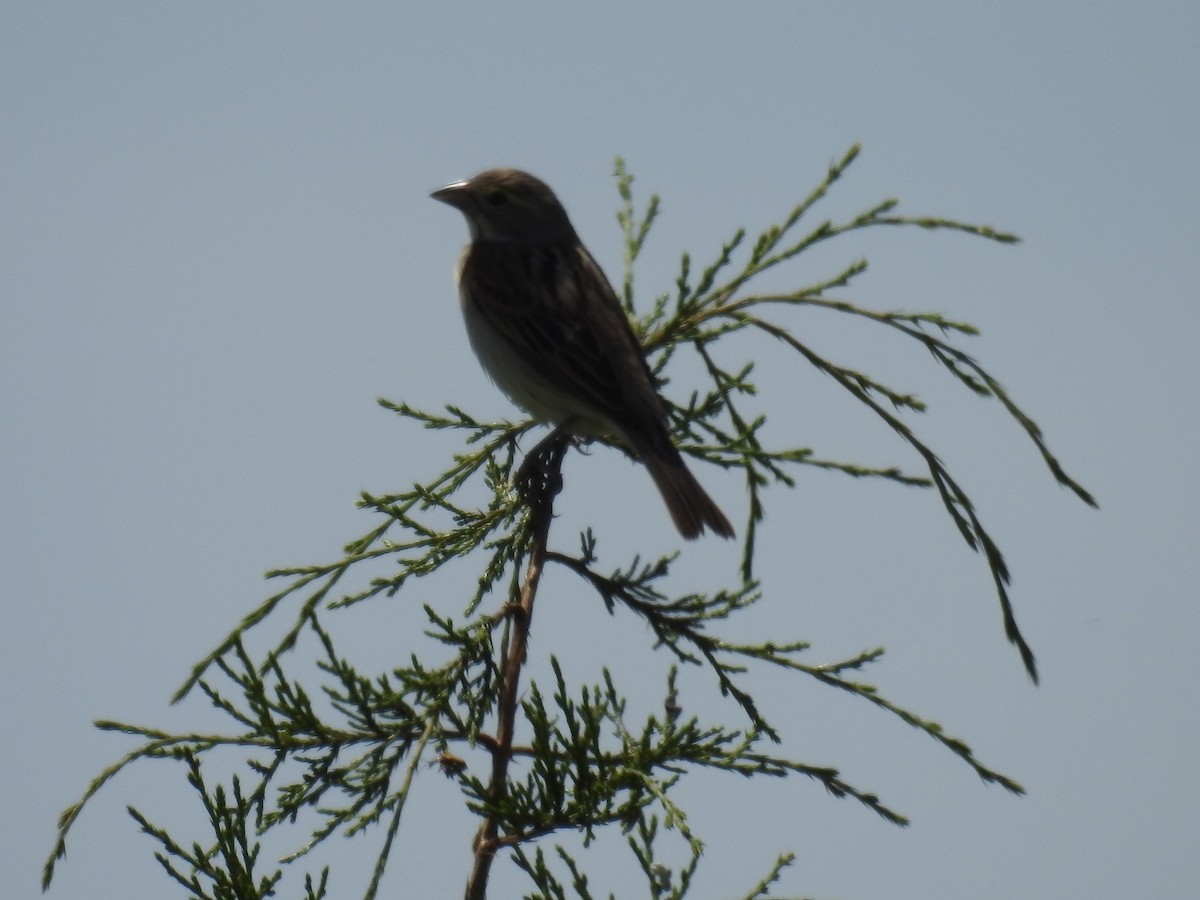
496	198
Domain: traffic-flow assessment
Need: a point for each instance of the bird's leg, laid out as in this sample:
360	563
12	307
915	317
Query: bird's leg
539	472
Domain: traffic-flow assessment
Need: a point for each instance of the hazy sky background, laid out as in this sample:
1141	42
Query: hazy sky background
218	250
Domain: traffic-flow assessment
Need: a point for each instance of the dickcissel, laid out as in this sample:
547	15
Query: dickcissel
549	330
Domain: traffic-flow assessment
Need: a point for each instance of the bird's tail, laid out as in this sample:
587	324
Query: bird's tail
691	509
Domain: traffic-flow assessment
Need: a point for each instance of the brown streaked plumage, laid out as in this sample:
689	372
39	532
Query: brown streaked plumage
549	330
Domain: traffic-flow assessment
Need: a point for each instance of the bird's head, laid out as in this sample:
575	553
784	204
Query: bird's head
509	205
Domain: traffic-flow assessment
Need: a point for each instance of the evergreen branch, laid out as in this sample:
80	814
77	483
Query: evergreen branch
976	378
632	230
445	545
397	804
832	675
763	888
956	502
229	865
675	621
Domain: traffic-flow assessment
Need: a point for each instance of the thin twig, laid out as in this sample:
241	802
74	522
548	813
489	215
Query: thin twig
543	480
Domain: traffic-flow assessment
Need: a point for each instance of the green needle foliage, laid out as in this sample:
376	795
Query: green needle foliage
338	753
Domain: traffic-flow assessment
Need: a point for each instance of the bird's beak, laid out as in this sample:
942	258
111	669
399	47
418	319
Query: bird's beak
456	194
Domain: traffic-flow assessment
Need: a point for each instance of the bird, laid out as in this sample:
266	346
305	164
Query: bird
548	329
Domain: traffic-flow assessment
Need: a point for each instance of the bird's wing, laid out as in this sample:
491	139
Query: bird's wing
553	304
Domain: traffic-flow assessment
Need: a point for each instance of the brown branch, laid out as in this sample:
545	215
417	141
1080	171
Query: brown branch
540	480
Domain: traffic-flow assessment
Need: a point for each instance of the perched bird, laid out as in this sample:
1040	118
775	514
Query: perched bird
549	330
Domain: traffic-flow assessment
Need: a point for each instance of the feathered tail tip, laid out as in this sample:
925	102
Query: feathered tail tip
691	509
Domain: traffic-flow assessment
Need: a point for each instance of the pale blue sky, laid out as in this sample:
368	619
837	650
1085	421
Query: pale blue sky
218	250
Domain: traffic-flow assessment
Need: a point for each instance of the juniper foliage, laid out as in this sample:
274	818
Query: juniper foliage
339	756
